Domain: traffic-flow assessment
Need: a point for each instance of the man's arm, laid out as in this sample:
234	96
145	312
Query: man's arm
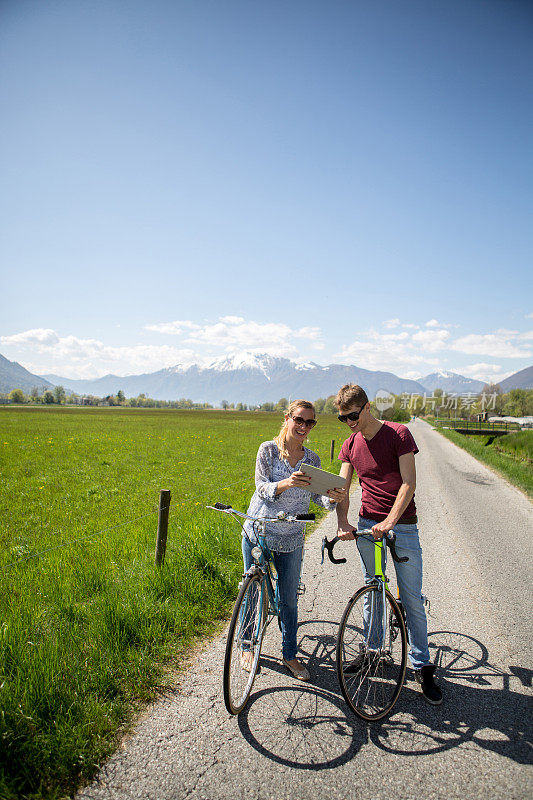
344	529
403	498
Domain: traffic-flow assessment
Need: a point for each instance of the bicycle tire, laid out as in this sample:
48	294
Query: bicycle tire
371	673
246	631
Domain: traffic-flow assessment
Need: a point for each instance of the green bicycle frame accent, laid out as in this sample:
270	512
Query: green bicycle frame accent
380	561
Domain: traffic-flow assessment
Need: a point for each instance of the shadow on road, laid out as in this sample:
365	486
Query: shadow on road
308	726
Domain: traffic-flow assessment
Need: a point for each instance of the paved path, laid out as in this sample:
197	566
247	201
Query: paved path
297	740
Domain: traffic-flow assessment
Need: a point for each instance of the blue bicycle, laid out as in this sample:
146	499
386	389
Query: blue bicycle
256	605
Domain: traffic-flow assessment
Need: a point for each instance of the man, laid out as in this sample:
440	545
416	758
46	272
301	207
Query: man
383	455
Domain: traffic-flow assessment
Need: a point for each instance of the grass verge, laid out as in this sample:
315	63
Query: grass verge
89	629
507	455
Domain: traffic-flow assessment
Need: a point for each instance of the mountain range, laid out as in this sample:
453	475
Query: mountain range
246	378
14	376
250	378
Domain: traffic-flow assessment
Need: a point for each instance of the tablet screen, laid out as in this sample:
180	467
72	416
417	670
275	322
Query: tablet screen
321	480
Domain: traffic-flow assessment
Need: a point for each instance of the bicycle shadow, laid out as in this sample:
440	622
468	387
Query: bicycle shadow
482	704
309	726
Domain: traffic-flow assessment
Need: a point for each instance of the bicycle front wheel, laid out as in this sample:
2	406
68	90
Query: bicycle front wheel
245	637
371	653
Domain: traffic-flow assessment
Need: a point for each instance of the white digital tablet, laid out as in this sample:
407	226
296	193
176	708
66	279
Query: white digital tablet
321	480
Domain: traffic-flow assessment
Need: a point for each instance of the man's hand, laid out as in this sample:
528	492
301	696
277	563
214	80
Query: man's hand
381	529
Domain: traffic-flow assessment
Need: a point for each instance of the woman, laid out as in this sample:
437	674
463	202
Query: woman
279	487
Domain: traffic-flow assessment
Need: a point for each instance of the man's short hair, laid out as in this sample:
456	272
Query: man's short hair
350	395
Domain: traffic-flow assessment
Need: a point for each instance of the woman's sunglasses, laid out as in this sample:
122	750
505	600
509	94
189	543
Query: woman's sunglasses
309	423
353	416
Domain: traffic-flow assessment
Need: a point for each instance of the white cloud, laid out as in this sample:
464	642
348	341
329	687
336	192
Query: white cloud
490	373
432	340
37	336
383	353
73	357
413	375
233	333
403	348
500	344
116	360
176	328
232	320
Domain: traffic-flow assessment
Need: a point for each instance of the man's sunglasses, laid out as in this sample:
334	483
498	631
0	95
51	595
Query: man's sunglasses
309	423
353	416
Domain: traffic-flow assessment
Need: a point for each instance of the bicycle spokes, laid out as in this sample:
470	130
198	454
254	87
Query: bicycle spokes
371	653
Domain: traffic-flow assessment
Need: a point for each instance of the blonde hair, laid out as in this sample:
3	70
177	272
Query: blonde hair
281	438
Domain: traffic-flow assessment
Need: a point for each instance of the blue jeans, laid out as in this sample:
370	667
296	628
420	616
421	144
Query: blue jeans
288	567
409	578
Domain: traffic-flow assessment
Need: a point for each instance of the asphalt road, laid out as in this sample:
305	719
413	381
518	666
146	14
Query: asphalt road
299	740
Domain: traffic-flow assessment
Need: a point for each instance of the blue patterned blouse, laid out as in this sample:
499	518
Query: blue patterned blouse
269	470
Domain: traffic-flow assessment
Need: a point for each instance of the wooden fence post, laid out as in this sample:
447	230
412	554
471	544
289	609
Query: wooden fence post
332	450
162	527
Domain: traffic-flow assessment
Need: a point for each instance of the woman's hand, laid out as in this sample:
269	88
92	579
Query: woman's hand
296	481
337	495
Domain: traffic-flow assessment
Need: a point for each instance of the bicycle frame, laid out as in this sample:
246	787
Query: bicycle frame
381	581
257	603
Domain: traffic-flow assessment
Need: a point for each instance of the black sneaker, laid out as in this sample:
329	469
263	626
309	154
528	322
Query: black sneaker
366	658
430	690
357	664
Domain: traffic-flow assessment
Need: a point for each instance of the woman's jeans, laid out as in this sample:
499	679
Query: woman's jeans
288	567
409	578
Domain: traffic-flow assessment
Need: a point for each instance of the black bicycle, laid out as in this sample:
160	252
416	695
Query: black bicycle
371	653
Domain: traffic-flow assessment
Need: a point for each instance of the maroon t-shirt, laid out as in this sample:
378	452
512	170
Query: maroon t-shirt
376	462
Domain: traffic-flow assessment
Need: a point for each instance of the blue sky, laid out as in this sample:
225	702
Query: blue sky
334	181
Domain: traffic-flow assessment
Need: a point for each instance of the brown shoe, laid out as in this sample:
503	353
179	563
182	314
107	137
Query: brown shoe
297	669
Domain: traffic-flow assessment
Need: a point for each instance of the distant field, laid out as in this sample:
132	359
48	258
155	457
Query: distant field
88	623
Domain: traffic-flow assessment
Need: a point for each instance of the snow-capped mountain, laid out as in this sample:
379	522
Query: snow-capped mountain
244	360
450	382
251	378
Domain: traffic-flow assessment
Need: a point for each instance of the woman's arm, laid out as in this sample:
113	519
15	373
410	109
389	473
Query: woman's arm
266	487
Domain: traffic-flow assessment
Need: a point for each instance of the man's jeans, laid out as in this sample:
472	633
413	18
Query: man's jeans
288	566
409	578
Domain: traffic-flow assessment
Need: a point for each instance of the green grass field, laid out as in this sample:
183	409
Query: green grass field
90	628
510	455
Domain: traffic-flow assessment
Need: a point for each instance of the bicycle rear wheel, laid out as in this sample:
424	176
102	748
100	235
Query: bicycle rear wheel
245	637
371	653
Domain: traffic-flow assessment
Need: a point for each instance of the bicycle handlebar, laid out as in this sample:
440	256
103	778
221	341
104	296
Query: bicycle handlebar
282	517
390	539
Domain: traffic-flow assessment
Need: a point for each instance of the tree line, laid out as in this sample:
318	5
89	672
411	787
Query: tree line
515	403
58	396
